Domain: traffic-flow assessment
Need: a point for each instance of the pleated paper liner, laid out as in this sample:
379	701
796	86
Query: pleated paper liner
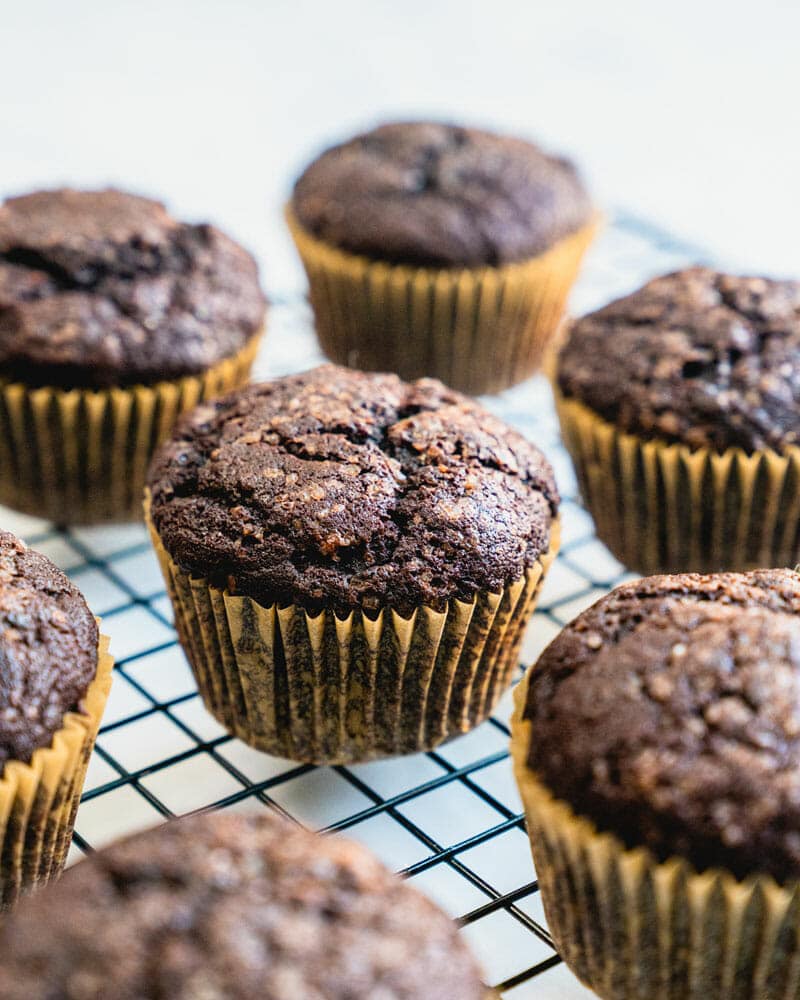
477	329
633	928
39	800
666	508
80	456
324	689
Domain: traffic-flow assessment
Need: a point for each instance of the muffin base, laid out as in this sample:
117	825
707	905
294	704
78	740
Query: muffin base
80	456
665	508
322	689
39	800
479	330
633	928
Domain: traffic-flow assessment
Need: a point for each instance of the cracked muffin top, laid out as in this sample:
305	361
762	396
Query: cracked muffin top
48	649
228	907
103	288
352	490
695	357
669	714
441	195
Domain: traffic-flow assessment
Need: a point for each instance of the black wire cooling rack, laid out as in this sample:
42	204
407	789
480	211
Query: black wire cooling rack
450	820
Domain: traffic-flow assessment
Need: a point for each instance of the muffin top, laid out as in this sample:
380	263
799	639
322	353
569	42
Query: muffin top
669	714
352	490
434	194
103	288
48	649
695	357
235	907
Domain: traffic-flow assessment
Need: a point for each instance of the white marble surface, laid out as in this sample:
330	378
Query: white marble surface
685	112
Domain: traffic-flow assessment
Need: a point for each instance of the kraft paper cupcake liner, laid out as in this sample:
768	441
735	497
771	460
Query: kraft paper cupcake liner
666	508
633	928
80	456
477	329
39	800
323	689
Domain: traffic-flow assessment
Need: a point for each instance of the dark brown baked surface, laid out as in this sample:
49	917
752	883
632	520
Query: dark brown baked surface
336	487
48	649
695	357
669	714
103	288
234	907
441	195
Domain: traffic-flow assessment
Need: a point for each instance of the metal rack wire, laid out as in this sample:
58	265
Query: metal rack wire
450	820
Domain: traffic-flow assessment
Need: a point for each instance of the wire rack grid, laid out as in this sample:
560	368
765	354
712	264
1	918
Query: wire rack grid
449	820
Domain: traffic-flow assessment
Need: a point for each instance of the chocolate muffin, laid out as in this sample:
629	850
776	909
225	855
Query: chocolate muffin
440	195
237	907
433	249
114	317
678	404
377	545
54	680
657	747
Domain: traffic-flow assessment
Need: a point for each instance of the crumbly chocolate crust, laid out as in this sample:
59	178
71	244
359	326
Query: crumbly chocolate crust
103	288
233	907
341	488
48	649
441	195
695	357
669	714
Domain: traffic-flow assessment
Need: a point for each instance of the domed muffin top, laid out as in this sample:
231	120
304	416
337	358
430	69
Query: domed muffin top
231	906
48	649
434	194
669	714
103	288
695	357
352	490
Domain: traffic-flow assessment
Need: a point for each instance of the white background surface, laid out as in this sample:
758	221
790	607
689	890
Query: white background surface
684	111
